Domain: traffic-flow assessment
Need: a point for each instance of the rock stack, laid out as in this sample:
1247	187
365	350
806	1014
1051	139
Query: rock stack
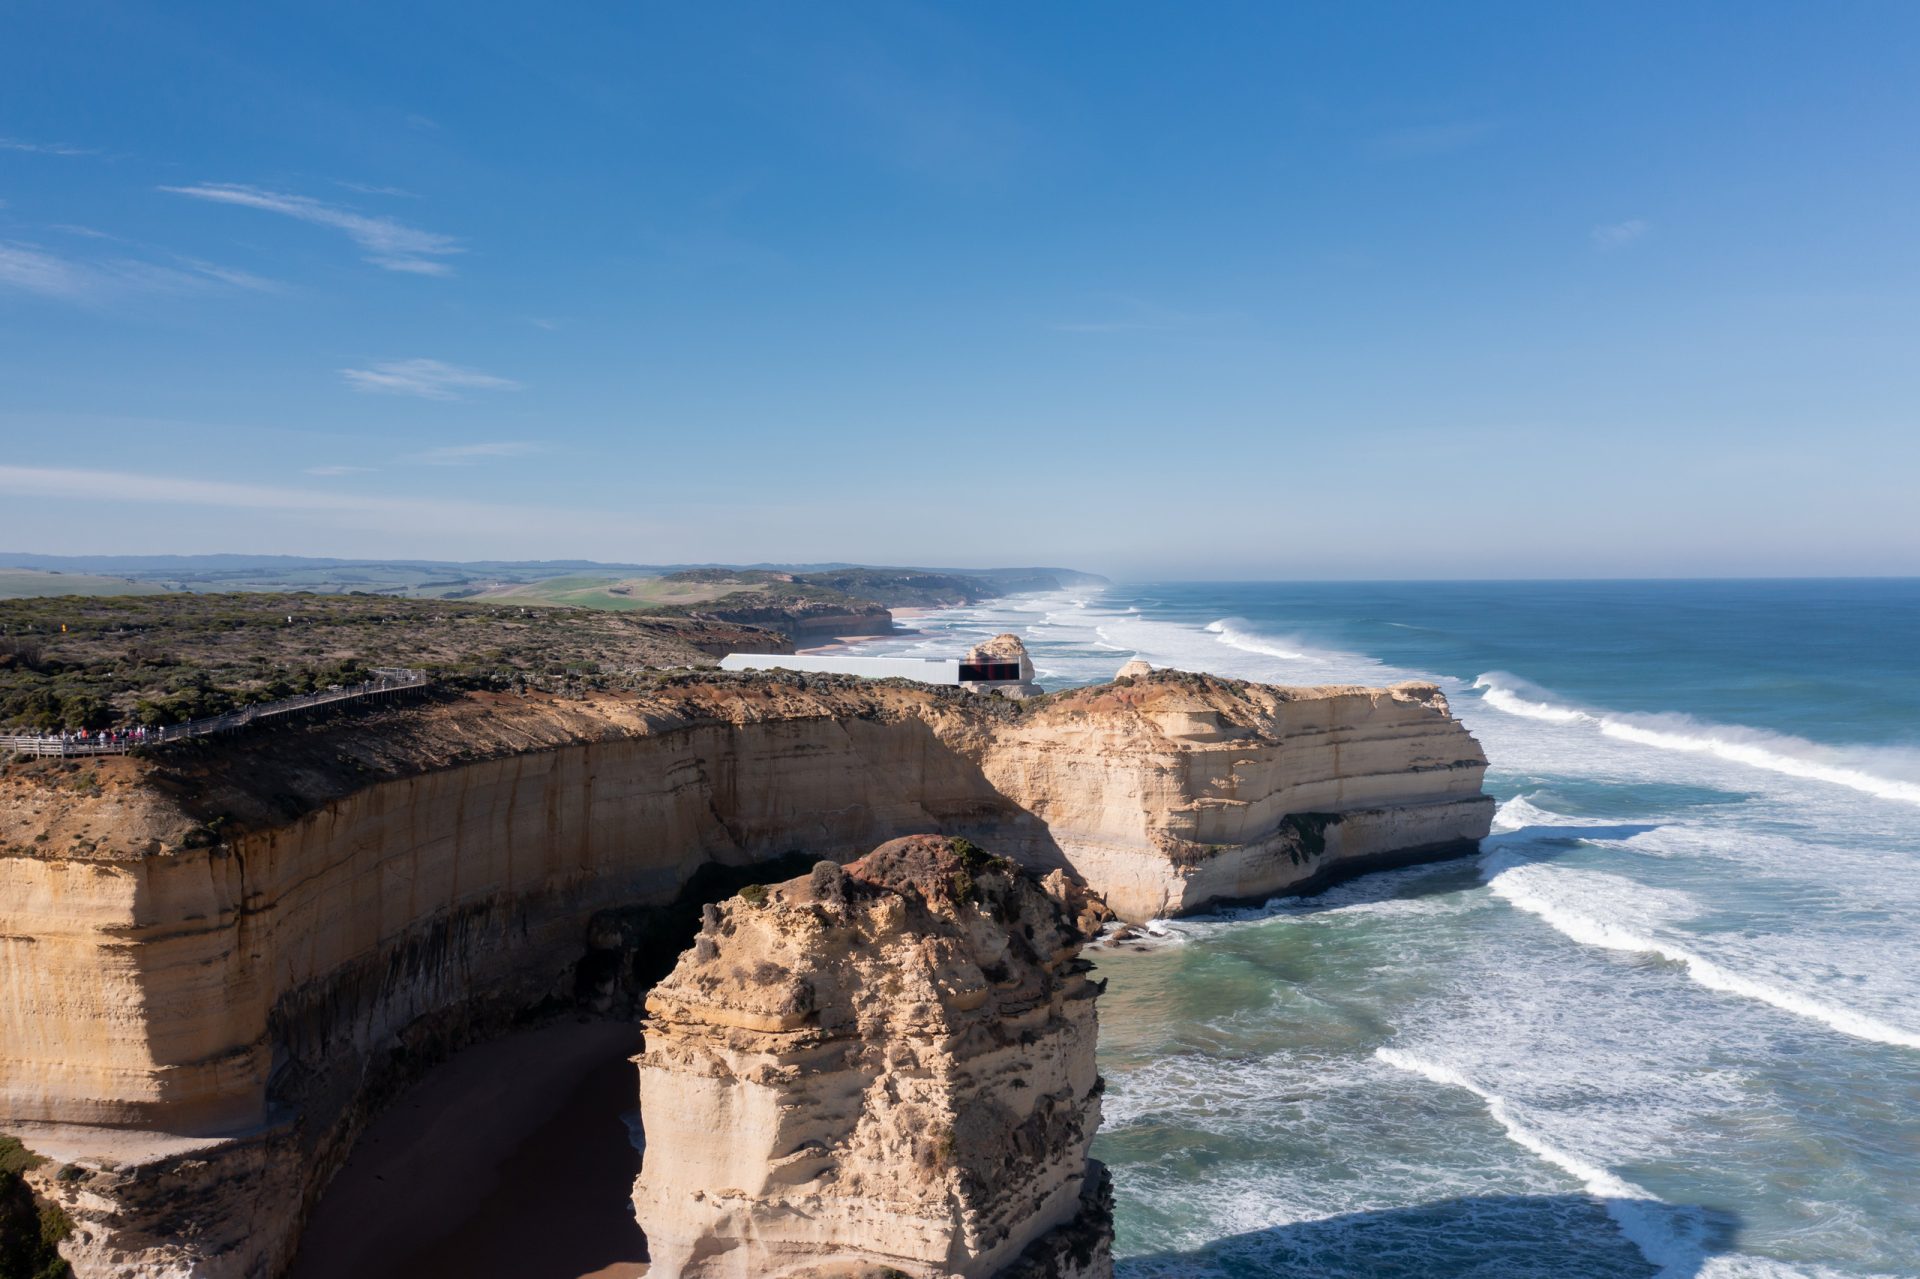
882	1068
1006	648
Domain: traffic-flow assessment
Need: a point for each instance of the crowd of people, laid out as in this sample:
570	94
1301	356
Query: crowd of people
101	738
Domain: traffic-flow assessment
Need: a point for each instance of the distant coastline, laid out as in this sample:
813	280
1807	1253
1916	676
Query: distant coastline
841	642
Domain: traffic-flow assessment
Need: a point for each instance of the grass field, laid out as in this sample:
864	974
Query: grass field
32	583
618	593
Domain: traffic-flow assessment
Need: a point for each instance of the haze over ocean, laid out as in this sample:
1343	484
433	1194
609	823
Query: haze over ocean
1667	1022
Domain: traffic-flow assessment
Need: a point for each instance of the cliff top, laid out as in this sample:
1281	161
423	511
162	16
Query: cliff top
1006	648
91	662
204	792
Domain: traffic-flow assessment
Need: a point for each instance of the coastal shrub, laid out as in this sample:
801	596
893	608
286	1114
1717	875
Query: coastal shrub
1309	831
84	710
22	654
30	1232
754	894
828	882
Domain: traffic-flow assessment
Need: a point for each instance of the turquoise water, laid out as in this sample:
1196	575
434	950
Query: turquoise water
1667	1023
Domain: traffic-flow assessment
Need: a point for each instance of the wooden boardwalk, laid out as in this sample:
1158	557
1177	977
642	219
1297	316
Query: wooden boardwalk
388	684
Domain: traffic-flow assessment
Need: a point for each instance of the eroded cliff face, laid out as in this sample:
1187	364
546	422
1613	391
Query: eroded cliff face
257	940
889	1066
1168	792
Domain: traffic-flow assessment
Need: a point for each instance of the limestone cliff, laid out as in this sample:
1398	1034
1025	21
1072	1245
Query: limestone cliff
1168	792
890	1066
250	942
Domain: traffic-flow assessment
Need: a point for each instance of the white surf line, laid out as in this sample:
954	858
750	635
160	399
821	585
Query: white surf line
1667	1238
1704	739
1233	637
1502	878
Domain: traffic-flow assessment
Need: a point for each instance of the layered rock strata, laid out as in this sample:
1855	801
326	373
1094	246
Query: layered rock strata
254	940
889	1067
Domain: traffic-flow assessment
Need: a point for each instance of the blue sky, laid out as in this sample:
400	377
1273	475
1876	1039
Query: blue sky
1223	291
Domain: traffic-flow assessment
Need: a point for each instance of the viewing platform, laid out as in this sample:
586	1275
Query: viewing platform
388	684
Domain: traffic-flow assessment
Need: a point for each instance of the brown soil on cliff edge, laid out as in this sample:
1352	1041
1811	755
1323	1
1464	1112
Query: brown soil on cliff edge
203	792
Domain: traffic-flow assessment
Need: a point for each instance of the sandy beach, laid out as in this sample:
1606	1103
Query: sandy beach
511	1161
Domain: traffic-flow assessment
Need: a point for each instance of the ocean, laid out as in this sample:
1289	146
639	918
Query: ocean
1667	1022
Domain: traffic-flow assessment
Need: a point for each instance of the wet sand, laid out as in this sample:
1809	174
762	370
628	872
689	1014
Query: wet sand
511	1161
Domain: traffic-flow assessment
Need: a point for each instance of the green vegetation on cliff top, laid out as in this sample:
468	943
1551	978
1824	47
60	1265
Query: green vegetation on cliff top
30	1231
90	662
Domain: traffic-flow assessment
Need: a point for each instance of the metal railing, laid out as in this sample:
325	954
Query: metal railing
387	682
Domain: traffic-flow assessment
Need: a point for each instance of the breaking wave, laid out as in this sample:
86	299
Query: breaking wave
1668	1237
1233	633
1529	886
1756	748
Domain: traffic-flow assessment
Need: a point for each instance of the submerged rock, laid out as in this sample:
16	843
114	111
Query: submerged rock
884	1067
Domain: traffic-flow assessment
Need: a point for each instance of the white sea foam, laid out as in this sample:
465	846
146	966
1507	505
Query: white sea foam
1232	646
1571	901
1668	1238
1753	747
1520	812
1233	633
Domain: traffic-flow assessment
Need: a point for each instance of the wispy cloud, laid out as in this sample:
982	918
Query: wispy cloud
470	454
85	232
231	275
44	148
1618	235
366	188
29	268
1430	139
542	322
334	471
428	379
1129	315
389	243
